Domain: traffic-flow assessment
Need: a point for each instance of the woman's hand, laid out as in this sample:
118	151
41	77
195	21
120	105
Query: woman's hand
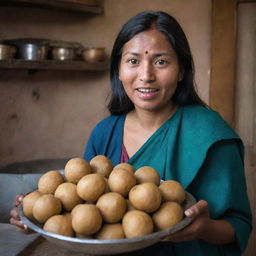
203	227
15	218
200	213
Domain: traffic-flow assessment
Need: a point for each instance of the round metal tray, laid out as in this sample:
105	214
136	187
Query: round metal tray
107	247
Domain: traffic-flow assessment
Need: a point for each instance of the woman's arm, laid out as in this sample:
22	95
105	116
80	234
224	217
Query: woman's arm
222	214
203	227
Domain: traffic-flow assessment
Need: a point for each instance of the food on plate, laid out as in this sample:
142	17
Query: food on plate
45	207
111	231
129	205
67	193
98	201
91	187
49	181
86	219
112	206
137	223
125	166
172	190
147	174
28	203
59	224
121	181
145	197
102	165
76	168
168	215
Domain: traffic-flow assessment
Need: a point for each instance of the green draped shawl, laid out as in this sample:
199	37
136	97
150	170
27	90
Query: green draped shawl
197	148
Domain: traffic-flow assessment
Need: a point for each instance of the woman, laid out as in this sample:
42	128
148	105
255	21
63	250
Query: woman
158	120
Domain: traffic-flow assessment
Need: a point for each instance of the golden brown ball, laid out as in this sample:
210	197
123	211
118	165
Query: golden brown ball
67	193
147	174
76	168
112	206
59	224
49	181
137	223
125	166
91	187
168	215
46	206
102	165
121	181
28	203
145	197
86	219
172	190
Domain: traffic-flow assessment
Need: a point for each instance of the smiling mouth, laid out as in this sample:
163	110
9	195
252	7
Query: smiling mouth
147	90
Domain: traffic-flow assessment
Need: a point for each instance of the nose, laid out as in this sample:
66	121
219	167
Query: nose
146	73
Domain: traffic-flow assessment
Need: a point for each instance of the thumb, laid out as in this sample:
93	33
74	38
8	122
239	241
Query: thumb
199	208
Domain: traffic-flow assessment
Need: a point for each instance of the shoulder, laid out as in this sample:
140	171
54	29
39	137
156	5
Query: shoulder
107	124
203	119
198	112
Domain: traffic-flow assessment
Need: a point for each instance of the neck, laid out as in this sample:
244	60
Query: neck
149	120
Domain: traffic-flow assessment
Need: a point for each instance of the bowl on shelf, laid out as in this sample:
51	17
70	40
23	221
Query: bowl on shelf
93	55
63	53
108	247
7	51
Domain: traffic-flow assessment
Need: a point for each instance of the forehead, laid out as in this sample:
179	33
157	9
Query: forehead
150	40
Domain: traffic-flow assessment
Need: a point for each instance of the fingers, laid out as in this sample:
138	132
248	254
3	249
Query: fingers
14	214
15	219
198	208
18	200
18	223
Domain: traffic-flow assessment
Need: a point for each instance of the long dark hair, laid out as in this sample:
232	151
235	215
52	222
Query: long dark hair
185	93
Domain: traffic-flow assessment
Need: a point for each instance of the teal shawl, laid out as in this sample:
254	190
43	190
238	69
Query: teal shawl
197	148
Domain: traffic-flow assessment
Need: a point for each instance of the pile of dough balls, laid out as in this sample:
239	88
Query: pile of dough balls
98	201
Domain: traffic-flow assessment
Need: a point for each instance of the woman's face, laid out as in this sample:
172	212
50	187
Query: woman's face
149	70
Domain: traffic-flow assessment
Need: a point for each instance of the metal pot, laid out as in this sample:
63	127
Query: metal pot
7	52
63	53
30	48
33	51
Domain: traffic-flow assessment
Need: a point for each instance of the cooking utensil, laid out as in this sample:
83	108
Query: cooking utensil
7	51
107	247
93	54
30	48
63	53
33	52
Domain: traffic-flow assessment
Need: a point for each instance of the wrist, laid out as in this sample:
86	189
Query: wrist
217	232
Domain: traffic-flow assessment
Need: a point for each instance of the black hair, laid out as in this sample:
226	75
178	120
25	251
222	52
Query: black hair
185	93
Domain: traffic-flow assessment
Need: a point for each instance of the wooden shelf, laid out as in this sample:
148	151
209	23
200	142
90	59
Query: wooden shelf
67	5
52	65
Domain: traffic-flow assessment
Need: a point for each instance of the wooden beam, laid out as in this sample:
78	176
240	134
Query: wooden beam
223	58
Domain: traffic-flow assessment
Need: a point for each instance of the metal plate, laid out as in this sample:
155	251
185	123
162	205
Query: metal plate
107	247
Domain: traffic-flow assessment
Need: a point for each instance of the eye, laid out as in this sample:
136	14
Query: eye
161	62
133	61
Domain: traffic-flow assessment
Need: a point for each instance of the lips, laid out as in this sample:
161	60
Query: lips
147	93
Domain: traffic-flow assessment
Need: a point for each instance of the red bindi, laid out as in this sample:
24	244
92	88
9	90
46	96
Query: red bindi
146	52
